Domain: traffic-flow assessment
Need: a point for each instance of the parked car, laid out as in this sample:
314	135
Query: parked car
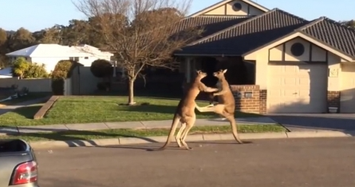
18	164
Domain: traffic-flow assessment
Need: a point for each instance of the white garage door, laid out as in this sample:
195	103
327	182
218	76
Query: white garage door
347	100
297	88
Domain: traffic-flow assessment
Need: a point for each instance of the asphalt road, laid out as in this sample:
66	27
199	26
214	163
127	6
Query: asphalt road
267	163
304	122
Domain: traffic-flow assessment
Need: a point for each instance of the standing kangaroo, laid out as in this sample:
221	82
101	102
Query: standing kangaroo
185	111
226	105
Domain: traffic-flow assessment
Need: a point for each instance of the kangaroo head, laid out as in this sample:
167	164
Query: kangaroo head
220	74
200	74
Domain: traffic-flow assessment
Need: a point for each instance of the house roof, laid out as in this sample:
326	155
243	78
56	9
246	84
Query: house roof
247	35
210	24
56	50
332	34
6	72
223	2
326	32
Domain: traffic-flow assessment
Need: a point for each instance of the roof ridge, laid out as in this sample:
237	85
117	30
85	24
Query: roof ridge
324	18
245	22
216	16
224	16
232	27
290	14
337	23
311	23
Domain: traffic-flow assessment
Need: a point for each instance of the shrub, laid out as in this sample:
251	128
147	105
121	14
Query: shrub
24	69
61	70
59	74
20	66
101	68
36	71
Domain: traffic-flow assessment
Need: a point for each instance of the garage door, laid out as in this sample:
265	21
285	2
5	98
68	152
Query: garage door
347	101
297	88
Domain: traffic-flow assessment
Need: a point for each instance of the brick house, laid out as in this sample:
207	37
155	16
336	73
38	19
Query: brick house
277	62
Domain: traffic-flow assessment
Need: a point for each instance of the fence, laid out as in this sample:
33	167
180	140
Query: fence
33	85
67	87
83	82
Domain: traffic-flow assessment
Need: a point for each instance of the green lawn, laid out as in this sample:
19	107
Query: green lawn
115	133
88	109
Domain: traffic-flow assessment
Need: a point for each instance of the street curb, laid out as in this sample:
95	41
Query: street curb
191	138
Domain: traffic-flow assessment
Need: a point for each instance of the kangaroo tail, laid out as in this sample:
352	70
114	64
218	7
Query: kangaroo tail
233	124
174	125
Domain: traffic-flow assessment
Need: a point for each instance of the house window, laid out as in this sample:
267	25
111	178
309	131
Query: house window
237	6
297	49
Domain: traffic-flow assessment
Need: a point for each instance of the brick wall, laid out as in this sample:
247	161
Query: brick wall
263	100
249	98
333	99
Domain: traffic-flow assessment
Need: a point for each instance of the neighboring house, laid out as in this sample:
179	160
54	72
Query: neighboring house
5	73
293	65
51	54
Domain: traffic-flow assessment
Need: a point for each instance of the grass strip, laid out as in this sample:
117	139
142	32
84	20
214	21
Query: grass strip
116	133
85	109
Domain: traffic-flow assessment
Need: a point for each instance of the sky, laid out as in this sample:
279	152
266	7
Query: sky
35	15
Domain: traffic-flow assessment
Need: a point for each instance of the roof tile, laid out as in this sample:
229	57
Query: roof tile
332	33
210	24
247	35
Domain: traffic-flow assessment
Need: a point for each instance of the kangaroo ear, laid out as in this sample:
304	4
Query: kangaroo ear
225	70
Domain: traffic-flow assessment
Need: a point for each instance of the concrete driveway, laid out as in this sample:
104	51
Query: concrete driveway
299	122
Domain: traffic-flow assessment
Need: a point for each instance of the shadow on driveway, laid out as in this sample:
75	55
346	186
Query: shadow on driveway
300	122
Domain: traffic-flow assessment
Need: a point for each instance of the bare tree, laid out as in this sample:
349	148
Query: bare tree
141	33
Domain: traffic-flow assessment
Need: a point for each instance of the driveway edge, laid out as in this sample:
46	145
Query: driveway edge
191	138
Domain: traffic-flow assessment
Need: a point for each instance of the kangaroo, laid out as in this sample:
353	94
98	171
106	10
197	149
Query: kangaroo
226	105
212	99
185	111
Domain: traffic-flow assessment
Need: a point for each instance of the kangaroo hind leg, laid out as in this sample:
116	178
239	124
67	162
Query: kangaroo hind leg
233	125
189	124
178	135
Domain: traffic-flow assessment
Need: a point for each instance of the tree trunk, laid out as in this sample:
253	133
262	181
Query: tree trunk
131	92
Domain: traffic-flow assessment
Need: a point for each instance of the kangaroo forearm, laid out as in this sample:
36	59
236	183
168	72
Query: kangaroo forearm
219	93
209	89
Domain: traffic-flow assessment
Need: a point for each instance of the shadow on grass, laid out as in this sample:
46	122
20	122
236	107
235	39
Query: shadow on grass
163	109
25	108
27	111
155	94
167	94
